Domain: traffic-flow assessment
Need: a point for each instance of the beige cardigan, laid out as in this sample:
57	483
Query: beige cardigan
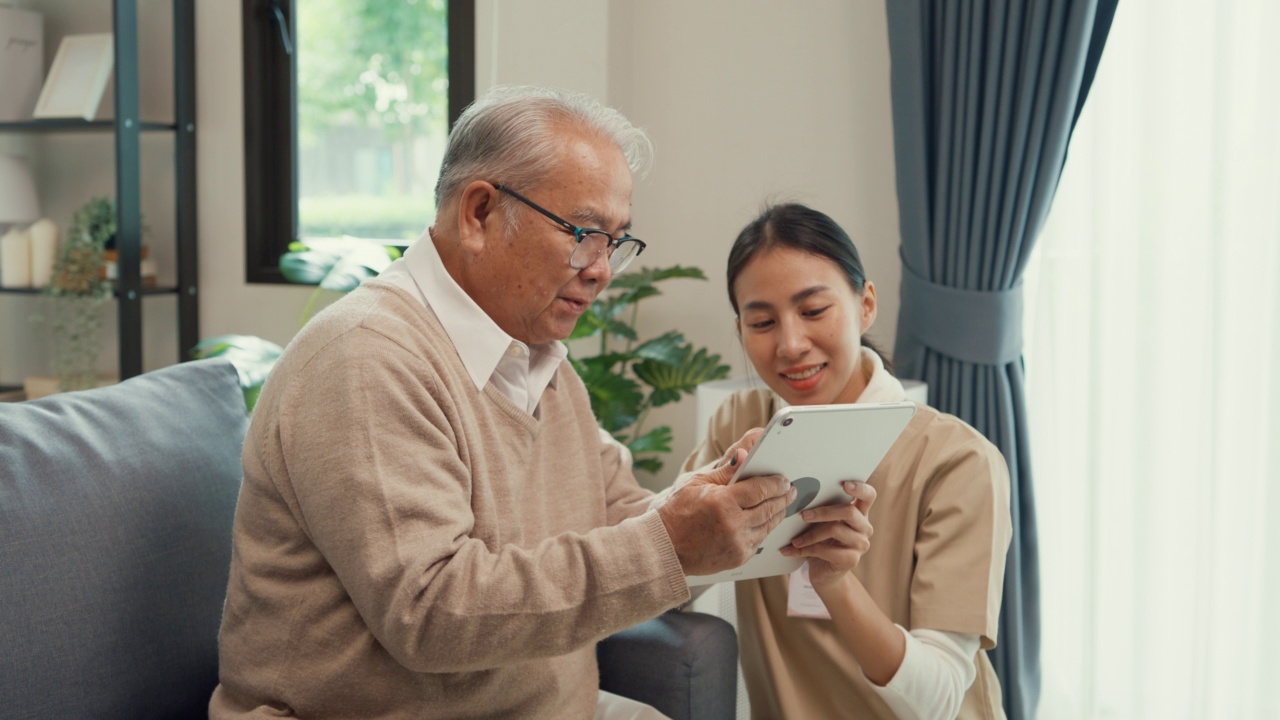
408	546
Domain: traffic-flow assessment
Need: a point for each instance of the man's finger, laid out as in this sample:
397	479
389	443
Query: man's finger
759	533
725	468
746	442
752	491
769	514
727	457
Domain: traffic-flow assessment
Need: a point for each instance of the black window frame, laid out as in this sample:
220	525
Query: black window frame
270	123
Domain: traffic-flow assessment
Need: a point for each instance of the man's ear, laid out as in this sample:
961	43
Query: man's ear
478	220
868	306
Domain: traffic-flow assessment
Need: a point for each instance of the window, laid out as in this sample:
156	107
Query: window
347	105
1153	376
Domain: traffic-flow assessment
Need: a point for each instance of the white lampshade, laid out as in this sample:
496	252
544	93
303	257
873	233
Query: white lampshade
18	202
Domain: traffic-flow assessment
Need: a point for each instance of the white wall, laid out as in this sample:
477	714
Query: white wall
749	102
746	101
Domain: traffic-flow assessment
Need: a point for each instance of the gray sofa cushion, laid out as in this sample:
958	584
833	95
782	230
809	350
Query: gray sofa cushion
685	664
116	507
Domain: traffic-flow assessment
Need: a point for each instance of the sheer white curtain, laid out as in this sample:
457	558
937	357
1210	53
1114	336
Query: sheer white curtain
1153	363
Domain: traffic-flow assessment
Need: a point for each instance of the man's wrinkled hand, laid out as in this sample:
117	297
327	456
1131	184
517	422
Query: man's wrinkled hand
716	526
746	442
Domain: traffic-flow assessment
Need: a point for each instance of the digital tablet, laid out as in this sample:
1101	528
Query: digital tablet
816	447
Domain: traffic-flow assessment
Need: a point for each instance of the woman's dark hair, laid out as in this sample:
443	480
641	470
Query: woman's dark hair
797	227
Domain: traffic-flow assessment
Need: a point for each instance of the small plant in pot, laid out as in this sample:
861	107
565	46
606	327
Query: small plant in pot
77	292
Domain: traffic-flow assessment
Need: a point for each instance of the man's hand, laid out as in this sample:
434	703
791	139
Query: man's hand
746	443
839	537
715	526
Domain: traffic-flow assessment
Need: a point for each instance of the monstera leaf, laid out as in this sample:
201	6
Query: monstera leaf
670	380
657	440
646	277
668	348
616	400
625	383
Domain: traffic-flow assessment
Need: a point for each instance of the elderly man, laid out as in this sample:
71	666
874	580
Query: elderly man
431	524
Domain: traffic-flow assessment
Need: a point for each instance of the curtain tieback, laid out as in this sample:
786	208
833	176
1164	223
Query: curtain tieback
976	326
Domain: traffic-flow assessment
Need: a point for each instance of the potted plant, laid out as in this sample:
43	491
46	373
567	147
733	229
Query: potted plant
333	266
77	291
628	377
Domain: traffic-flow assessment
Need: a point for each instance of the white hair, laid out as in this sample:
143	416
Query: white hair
511	134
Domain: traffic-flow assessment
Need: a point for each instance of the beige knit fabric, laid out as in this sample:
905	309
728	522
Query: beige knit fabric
408	547
942	528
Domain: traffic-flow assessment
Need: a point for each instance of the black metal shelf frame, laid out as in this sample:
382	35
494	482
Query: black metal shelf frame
146	290
75	125
126	128
128	181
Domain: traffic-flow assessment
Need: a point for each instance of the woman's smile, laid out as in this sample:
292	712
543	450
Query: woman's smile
804	377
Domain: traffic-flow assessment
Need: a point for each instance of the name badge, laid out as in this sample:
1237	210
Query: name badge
802	599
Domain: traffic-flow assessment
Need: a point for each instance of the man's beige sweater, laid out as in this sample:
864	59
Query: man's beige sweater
406	546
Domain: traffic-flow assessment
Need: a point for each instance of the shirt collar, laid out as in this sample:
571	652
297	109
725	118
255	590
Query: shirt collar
480	343
882	386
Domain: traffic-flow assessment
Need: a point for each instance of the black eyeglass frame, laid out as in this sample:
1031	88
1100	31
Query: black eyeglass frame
581	233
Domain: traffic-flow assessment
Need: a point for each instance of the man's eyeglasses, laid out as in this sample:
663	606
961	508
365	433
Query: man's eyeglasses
590	242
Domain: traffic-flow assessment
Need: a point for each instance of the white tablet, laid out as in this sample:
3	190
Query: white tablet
816	447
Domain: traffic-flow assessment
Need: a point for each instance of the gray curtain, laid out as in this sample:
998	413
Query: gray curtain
985	96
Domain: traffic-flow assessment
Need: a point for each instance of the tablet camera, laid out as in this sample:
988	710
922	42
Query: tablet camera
806	490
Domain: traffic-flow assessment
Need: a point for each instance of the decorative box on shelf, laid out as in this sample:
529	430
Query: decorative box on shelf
21	62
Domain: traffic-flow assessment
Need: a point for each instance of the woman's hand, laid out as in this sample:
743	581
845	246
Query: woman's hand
841	534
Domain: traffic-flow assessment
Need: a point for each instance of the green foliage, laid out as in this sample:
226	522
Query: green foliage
372	112
371	63
78	270
625	383
253	358
339	266
77	292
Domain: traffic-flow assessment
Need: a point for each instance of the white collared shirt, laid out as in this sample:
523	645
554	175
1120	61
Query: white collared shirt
520	372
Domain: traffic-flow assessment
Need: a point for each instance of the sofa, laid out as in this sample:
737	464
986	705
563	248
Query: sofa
116	507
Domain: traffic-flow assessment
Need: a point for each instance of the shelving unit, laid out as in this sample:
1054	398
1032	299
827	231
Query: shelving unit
126	129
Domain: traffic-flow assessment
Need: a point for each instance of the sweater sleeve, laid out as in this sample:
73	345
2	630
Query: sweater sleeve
382	482
624	497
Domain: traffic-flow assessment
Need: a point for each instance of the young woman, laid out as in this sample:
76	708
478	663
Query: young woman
893	627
